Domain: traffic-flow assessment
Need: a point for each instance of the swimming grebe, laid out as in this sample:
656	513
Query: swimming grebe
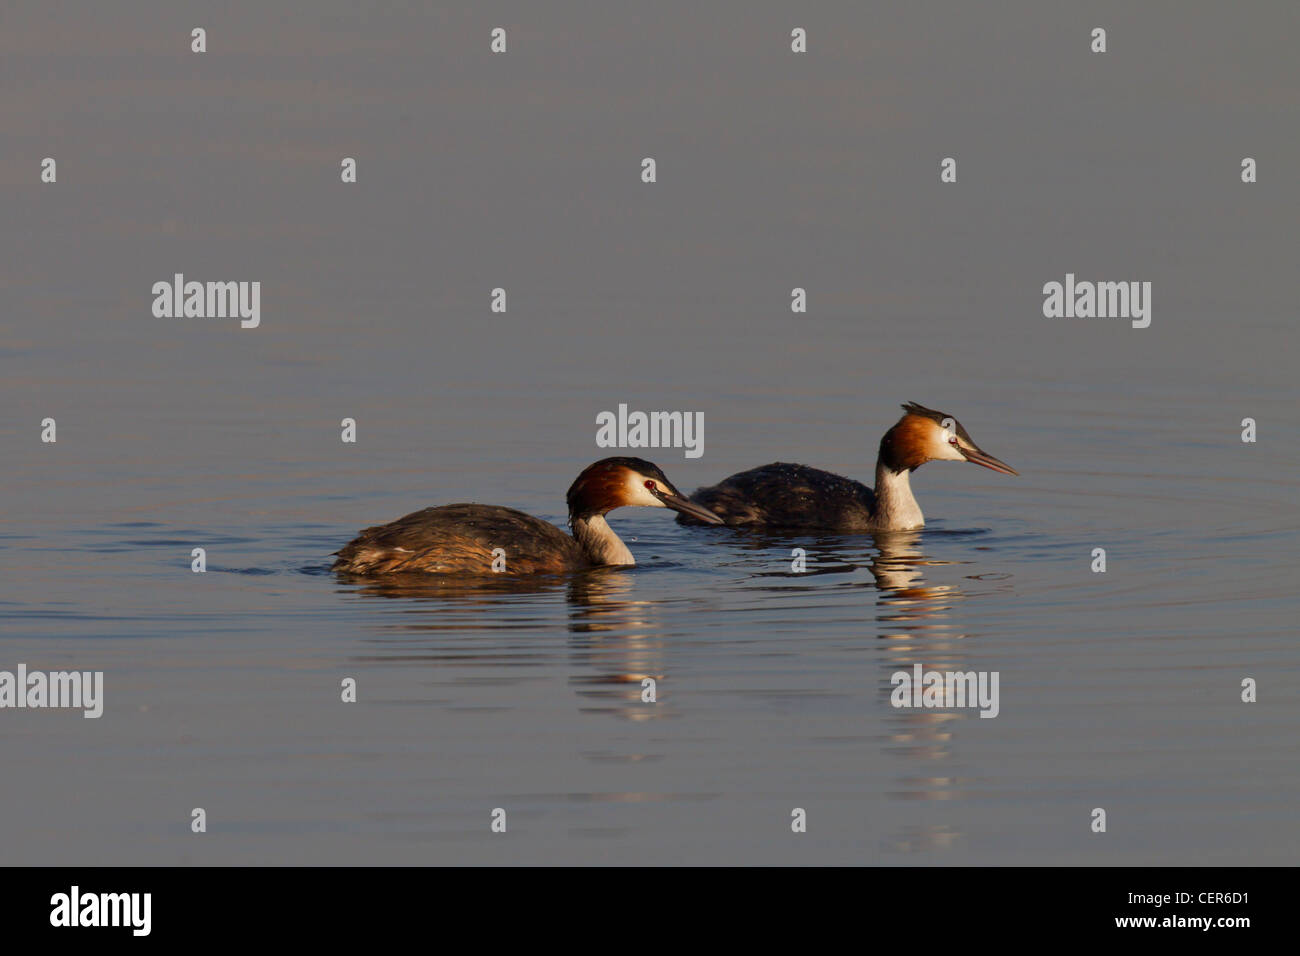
461	539
781	495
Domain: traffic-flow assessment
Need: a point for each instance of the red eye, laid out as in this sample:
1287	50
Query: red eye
953	440
650	484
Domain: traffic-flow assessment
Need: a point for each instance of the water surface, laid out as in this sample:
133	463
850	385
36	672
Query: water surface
1119	690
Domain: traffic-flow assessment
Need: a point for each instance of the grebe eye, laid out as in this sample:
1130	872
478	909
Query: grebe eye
952	440
650	484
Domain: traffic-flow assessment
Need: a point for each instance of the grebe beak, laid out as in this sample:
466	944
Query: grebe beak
979	457
686	506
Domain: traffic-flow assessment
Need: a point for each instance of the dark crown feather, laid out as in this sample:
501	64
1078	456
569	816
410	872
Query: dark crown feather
912	408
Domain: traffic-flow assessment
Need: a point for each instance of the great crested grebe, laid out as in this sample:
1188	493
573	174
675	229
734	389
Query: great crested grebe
781	495
468	539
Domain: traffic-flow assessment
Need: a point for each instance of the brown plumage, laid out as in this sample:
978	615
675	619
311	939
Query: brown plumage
462	538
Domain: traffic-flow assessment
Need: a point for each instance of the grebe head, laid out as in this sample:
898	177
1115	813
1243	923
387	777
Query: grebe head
615	482
924	434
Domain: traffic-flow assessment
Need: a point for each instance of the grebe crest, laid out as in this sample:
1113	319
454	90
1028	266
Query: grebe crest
616	482
924	434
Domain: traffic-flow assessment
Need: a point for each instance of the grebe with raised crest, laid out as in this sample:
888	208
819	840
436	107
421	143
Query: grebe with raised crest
782	495
468	538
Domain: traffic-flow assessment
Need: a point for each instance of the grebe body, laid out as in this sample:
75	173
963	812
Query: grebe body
486	539
789	496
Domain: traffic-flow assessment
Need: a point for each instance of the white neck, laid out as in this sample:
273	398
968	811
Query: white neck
599	542
896	509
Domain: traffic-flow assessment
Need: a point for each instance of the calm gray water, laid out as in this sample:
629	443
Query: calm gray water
1119	690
